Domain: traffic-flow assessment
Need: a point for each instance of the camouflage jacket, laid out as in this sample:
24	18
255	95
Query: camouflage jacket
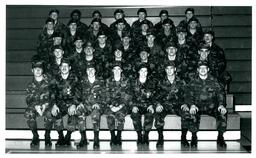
45	41
78	63
136	25
205	93
112	26
171	95
164	39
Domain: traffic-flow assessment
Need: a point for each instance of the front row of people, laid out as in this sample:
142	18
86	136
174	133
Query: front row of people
118	96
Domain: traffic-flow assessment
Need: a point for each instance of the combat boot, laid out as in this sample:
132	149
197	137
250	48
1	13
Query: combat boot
47	138
160	141
119	138
113	138
145	138
60	140
67	138
194	141
221	142
83	140
184	141
96	143
139	140
35	140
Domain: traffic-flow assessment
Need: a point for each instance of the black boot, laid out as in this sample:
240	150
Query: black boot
146	140
60	140
184	141
194	140
47	138
68	138
119	138
83	140
96	143
139	140
35	140
160	141
113	138
220	141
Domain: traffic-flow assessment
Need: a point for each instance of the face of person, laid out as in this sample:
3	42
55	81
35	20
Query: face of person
117	71
203	70
75	16
118	53
90	72
163	17
89	51
171	51
96	15
54	16
50	25
96	26
167	26
189	14
208	38
144	55
151	38
57	40
144	27
170	70
72	26
120	26
37	71
79	44
64	68
126	41
143	72
58	53
102	39
119	16
181	35
203	53
193	24
142	16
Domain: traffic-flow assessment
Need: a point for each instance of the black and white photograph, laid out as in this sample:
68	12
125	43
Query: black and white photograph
127	79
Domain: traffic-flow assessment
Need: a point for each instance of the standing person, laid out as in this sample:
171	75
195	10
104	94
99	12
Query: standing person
171	100
76	15
92	33
142	16
118	101
189	13
92	104
194	32
58	25
97	15
206	96
163	15
119	14
140	36
38	101
143	104
120	28
65	102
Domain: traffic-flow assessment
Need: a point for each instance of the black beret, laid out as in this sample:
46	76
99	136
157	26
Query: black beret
38	64
57	34
57	47
72	21
96	20
122	20
193	19
210	32
117	63
151	32
144	48
170	44
200	63
167	21
163	12
118	45
54	10
90	65
142	10
49	20
65	60
203	46
180	29
170	63
118	11
145	22
126	34
101	32
78	37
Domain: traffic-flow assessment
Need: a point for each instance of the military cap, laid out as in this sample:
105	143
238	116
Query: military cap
143	65
96	12
37	61
57	47
116	63
193	19
49	20
145	22
72	21
54	10
78	37
122	20
200	63
126	34
142	10
167	21
38	64
190	9
203	46
144	48
57	34
210	32
170	44
65	60
151	32
118	45
118	11
90	65
163	12
101	32
170	63
180	29
96	20
76	11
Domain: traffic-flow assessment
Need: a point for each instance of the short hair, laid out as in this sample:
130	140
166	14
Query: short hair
76	11
190	9
96	11
54	10
142	10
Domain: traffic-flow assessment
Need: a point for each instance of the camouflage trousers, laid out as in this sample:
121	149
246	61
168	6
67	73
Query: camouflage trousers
221	120
31	116
160	118
148	119
116	119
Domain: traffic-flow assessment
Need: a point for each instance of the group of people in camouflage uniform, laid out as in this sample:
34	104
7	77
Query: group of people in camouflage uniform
138	69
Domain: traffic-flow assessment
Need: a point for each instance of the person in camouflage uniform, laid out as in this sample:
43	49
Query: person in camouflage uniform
65	102
58	26
45	40
206	96
76	15
92	103
118	101
120	28
140	36
163	15
97	15
194	31
92	33
144	91
189	13
171	100
119	14
38	100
